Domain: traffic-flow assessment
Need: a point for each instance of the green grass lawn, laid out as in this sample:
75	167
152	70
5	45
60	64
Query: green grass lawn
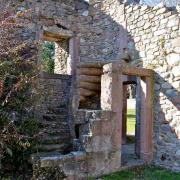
131	119
144	173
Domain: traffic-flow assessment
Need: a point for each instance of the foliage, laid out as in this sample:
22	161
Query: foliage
48	173
18	79
48	56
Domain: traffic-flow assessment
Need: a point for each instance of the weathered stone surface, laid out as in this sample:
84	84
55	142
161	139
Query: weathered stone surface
176	42
166	85
176	71
173	59
90	86
61	56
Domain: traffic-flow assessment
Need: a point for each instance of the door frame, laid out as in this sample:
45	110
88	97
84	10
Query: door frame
112	100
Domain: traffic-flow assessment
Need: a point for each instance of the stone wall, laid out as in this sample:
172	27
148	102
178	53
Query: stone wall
56	91
65	20
61	56
153	42
103	36
98	25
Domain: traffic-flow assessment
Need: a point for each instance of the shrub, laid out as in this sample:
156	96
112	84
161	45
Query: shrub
18	82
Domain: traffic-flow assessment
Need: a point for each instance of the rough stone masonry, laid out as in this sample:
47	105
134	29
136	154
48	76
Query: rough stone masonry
107	31
153	42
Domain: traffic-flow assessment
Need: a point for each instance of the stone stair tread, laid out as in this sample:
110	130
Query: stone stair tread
53	117
50	122
53	131
52	147
56	115
56	139
57	111
61	160
44	135
35	156
49	130
54	124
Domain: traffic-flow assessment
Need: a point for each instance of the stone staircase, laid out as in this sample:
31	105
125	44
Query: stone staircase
89	82
55	132
89	79
54	115
93	155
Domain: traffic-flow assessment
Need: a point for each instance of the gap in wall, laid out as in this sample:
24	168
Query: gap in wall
48	56
55	54
129	126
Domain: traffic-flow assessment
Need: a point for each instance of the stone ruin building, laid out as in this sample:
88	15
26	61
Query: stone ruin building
100	48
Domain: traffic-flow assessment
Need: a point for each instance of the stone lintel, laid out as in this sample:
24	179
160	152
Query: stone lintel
54	33
136	71
127	70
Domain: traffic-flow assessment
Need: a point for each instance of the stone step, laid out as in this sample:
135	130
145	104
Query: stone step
56	139
54	147
54	117
37	156
57	111
60	106
56	131
54	124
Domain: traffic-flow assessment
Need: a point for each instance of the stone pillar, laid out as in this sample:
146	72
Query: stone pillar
138	118
112	99
111	88
146	119
148	151
124	115
74	58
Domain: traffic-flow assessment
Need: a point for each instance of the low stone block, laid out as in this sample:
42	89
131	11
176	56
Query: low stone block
103	163
97	143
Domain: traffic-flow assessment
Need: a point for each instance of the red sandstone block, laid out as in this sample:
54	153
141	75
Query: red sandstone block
101	128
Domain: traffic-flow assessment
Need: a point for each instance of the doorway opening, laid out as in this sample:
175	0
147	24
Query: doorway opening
130	121
115	76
